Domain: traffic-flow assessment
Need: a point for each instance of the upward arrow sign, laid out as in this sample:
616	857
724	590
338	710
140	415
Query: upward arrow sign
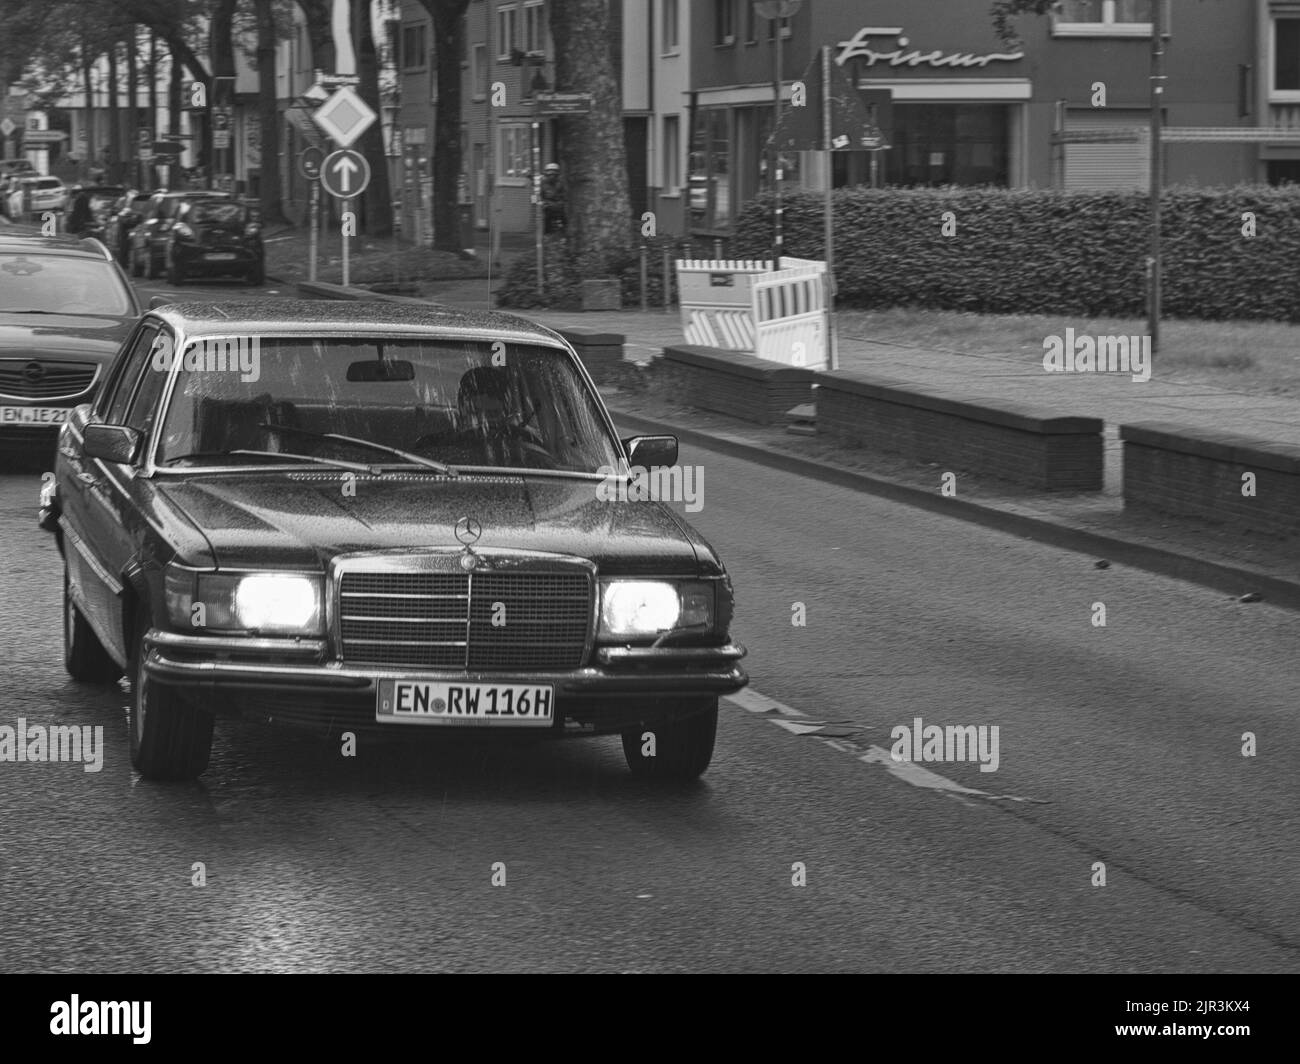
343	170
345	174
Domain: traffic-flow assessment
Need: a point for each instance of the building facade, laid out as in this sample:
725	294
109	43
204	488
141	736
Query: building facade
967	109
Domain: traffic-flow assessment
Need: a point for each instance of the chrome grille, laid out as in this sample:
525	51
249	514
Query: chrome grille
444	619
57	380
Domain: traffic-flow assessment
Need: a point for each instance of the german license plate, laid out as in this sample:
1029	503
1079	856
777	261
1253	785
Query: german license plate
33	415
475	704
219	256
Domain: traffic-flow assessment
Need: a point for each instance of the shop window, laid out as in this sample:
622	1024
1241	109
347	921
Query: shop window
724	22
1284	86
514	160
671	30
710	170
507	31
948	144
1106	18
672	155
413	45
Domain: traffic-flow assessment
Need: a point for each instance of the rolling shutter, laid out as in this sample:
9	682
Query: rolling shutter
1102	166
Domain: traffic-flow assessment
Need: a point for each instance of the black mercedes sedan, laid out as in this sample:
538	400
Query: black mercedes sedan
382	521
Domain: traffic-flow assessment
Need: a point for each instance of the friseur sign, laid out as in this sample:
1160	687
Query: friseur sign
858	48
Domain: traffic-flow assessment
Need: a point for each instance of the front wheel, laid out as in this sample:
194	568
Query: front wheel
678	749
84	656
171	738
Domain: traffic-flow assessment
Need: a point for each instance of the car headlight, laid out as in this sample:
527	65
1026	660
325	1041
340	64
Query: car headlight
266	603
639	608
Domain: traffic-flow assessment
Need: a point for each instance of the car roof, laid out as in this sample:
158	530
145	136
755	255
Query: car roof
82	247
312	317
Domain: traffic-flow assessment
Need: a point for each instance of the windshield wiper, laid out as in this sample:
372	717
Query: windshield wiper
407	456
338	463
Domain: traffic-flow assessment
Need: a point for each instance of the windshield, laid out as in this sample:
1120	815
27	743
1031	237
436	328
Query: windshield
61	284
216	213
453	401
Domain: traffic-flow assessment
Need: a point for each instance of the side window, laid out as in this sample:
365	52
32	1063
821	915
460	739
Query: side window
137	360
144	407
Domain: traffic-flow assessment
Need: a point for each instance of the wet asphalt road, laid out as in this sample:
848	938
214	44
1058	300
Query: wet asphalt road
1119	745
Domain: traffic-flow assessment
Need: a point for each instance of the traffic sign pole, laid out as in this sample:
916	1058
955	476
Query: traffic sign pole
347	207
314	228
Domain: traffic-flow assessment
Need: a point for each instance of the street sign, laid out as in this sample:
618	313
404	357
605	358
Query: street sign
333	81
300	119
345	174
309	163
563	103
43	136
344	116
7	126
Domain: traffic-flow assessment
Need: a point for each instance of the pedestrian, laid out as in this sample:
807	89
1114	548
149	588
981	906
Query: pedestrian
552	199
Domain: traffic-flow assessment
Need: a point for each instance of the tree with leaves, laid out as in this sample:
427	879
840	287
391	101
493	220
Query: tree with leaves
1005	11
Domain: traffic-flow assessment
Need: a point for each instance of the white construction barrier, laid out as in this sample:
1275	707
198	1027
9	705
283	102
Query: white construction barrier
744	305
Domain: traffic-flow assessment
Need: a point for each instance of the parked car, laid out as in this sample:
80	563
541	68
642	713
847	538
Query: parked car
65	308
32	195
215	237
396	521
149	237
124	215
91	221
10	171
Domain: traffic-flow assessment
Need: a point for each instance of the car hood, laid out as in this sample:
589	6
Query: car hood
301	521
70	334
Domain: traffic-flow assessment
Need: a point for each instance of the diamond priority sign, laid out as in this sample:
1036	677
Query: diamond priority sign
344	116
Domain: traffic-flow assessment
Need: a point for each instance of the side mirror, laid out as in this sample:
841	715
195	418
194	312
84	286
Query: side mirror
651	451
160	301
111	443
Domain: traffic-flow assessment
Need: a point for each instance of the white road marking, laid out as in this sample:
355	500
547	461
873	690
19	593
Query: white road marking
909	772
748	698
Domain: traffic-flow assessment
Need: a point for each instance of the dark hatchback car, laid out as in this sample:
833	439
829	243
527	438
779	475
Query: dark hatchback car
149	237
65	308
395	521
215	238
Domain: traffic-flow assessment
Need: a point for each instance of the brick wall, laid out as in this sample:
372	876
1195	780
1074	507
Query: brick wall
1028	446
736	383
1200	473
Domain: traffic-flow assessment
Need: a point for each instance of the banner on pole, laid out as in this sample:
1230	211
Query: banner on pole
858	120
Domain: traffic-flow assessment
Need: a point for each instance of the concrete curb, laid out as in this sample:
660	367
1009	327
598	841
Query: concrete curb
1229	579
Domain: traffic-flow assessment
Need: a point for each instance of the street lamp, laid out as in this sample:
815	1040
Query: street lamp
777	9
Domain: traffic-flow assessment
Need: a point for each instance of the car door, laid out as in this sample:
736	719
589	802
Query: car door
91	511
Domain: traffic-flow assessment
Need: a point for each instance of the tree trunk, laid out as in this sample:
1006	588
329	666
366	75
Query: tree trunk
318	13
449	40
222	51
174	101
86	64
592	160
113	169
268	116
377	203
132	174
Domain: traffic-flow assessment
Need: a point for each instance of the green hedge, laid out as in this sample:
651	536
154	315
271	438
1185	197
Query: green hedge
1043	251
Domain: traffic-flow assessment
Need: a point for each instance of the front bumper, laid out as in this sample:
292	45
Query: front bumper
291	681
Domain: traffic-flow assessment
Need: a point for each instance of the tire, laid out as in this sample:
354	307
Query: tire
84	655
170	737
137	269
683	747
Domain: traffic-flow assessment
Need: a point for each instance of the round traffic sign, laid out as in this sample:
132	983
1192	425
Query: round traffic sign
309	160
345	173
